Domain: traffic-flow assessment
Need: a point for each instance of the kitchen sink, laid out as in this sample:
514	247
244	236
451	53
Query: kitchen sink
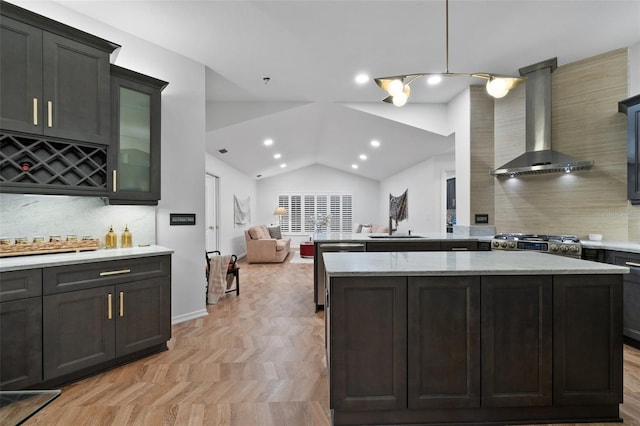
396	236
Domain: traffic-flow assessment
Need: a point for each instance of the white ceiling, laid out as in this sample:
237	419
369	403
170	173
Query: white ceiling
312	50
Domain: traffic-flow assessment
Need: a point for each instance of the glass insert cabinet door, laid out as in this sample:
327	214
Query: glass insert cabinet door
135	150
134	155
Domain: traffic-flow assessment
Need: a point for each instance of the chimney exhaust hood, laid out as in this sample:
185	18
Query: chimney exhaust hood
539	158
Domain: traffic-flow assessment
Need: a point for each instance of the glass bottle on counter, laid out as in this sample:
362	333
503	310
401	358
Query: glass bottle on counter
111	239
126	239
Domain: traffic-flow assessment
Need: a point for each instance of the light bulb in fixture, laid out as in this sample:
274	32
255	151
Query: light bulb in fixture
400	99
497	87
395	87
434	79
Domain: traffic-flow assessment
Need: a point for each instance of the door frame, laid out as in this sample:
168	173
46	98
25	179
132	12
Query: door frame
212	207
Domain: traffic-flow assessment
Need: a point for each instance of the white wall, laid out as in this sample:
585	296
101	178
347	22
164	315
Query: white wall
425	194
183	138
231	182
319	179
459	112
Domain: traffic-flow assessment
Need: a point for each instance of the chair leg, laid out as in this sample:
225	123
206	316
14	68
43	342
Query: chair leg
237	274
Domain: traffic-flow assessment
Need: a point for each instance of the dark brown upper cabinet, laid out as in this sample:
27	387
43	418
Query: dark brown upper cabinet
54	79
134	153
631	107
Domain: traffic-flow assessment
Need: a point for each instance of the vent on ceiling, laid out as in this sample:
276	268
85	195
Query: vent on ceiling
223	151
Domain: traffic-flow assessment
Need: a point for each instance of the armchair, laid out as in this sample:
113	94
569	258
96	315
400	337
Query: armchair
263	248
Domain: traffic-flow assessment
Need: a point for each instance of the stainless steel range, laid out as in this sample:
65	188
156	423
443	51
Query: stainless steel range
564	245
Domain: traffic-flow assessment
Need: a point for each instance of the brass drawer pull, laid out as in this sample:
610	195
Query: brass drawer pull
115	181
50	113
121	271
35	111
459	249
637	265
109	306
122	303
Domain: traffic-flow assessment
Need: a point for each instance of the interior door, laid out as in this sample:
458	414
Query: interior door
211	212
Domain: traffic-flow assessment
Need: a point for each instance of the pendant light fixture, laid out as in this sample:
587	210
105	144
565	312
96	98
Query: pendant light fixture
399	90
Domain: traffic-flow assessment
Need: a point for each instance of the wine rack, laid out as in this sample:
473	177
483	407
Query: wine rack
41	165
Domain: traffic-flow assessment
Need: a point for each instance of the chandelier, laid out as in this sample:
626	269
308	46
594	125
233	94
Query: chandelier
399	90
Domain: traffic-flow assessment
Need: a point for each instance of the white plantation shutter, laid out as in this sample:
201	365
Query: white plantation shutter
303	209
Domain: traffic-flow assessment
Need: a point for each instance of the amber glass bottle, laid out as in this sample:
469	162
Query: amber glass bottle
111	239
126	238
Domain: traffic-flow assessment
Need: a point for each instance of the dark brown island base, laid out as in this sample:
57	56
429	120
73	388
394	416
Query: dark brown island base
472	338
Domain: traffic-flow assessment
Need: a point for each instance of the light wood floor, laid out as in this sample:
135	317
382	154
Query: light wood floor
256	359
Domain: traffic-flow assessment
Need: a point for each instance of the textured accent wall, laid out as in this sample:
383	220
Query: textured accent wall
587	125
482	154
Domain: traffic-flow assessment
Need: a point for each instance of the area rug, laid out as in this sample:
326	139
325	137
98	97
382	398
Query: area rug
296	258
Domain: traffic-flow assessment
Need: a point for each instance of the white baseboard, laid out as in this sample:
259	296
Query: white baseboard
189	316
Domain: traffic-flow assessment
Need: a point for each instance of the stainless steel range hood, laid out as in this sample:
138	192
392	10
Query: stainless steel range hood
539	157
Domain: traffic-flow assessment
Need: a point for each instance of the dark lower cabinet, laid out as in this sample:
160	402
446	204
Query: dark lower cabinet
20	343
368	352
631	293
62	323
444	342
474	349
79	330
587	359
143	316
516	341
20	329
110	321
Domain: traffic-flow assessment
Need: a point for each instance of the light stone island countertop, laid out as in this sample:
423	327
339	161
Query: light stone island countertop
460	263
626	246
16	263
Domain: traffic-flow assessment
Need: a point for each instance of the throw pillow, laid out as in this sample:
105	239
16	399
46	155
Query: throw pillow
274	232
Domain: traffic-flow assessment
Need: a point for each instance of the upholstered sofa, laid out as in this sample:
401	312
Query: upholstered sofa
262	247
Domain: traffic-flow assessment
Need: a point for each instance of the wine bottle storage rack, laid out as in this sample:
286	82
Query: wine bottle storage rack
44	163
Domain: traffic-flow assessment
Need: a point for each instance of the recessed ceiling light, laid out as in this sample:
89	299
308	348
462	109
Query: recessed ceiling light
375	143
354	166
268	142
434	79
283	165
362	78
276	156
363	156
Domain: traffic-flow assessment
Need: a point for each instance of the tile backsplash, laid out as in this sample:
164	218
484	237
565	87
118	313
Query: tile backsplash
44	215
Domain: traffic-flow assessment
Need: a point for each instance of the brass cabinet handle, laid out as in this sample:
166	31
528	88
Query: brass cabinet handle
50	113
35	111
109	306
115	181
633	264
122	303
118	272
459	249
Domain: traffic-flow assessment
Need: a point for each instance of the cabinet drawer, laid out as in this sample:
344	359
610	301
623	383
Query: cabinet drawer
16	285
62	279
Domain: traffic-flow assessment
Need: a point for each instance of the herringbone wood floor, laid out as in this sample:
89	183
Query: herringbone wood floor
256	359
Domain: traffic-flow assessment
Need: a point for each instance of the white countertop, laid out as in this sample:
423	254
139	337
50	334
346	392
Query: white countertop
460	263
627	246
426	236
16	263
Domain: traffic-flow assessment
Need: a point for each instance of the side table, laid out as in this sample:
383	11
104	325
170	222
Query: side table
306	248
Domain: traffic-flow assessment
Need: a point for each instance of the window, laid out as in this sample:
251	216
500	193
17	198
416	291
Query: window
305	213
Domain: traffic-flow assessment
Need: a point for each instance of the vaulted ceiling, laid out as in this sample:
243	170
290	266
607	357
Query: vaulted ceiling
311	50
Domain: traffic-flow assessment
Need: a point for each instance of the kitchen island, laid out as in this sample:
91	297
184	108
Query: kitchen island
472	337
